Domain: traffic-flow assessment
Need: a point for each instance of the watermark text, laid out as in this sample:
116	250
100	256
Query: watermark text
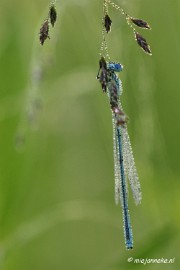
150	260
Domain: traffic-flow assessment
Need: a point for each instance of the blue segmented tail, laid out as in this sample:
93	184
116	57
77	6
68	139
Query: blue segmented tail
123	196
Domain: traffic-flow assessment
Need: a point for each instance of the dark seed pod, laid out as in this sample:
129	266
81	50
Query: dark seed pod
44	32
103	74
102	63
140	23
142	43
107	23
52	15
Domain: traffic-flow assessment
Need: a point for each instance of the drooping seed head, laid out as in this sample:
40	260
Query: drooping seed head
44	32
140	23
143	43
107	23
52	14
103	74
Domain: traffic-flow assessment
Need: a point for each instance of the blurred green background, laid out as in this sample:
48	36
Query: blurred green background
57	206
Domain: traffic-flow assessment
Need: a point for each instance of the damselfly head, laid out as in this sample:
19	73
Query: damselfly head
114	66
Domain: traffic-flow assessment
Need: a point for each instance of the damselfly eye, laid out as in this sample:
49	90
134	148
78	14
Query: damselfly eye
117	67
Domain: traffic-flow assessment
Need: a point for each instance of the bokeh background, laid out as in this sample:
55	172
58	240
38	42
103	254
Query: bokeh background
57	206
